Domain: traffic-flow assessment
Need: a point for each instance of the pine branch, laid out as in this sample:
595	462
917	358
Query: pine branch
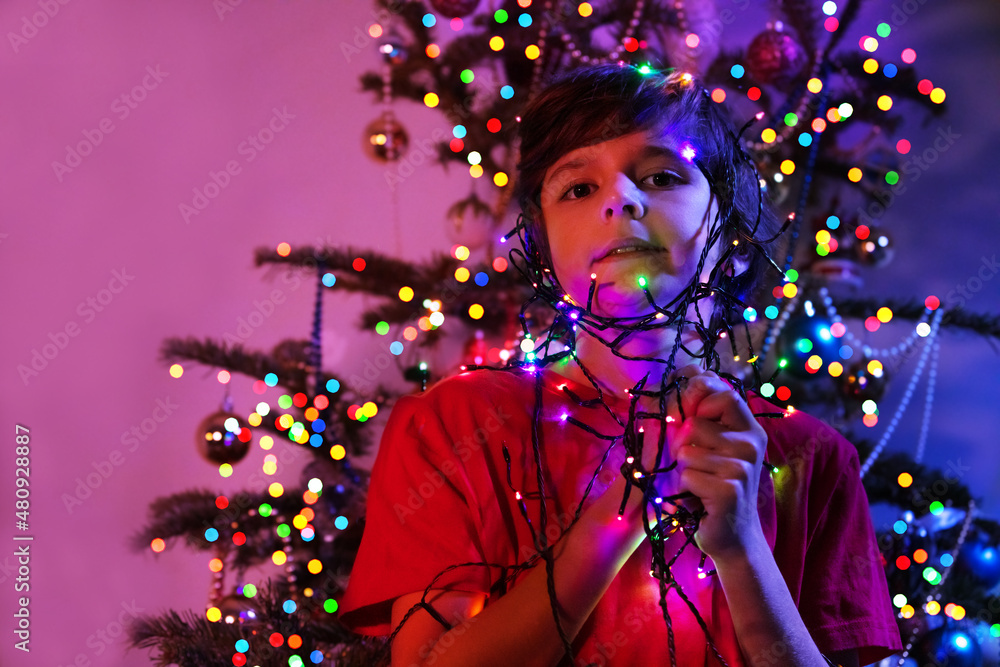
867	88
290	362
179	515
233	357
432	279
959	318
882	486
190	513
378	266
185	639
191	640
847	16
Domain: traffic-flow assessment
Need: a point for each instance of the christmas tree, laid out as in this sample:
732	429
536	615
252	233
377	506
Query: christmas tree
831	144
288	619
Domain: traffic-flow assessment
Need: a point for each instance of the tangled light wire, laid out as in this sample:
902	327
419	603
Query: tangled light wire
558	342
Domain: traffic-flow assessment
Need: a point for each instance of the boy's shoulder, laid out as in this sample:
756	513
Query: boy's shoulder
480	381
484	386
794	435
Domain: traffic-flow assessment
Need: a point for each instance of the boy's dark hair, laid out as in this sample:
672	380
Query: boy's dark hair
594	104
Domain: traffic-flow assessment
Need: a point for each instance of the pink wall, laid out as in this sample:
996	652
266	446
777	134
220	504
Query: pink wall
65	237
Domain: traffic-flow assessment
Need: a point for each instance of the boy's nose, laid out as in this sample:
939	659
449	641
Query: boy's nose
624	199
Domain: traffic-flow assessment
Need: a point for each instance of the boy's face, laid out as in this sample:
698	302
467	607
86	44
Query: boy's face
635	206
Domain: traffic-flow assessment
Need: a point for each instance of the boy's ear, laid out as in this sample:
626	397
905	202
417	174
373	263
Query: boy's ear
741	262
738	263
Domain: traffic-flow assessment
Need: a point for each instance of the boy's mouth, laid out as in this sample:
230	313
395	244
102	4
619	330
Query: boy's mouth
625	247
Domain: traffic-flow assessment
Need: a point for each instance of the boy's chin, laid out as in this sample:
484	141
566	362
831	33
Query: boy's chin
611	302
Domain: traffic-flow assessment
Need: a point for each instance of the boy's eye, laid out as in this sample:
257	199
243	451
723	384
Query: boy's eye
662	179
577	191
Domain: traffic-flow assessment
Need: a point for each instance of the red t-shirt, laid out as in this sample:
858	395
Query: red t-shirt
439	496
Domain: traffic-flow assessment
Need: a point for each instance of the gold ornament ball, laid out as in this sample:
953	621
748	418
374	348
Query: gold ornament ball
218	444
471	222
385	140
861	385
237	608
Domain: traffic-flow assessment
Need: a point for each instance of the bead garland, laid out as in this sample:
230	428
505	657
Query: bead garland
316	335
888	355
536	72
578	56
935	325
290	577
218	579
928	402
682	23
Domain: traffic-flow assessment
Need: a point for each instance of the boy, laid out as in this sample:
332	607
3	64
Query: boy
643	228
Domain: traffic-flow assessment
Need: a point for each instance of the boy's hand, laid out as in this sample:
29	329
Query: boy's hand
719	448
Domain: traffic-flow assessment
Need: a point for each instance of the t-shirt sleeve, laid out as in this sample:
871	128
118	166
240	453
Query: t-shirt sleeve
845	598
419	519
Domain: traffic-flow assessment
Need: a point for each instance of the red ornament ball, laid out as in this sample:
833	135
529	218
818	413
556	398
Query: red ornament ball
775	57
454	8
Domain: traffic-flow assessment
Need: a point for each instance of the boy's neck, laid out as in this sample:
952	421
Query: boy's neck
617	375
